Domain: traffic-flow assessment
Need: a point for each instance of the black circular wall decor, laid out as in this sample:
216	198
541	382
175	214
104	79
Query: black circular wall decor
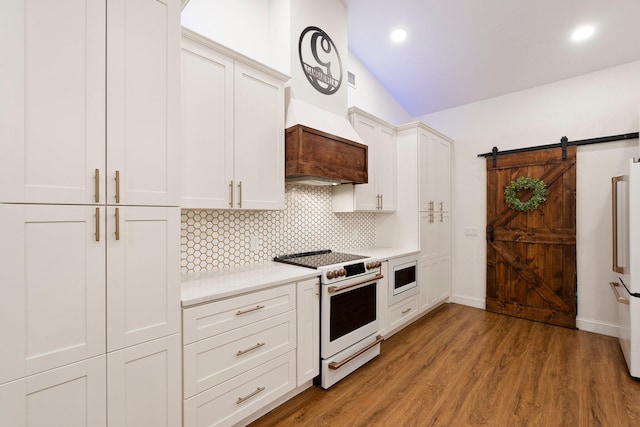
320	60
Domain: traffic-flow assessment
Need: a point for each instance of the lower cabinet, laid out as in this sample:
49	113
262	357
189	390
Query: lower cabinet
244	352
435	282
403	312
143	384
70	396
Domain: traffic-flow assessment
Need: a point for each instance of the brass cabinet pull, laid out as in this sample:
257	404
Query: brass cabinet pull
117	186
430	217
441	217
381	201
97	224
247	350
334	289
614	214
117	223
249	310
97	185
336	365
231	195
614	288
240	194
441	206
406	311
431	205
250	395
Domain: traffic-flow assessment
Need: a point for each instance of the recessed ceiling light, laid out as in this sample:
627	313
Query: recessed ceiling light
583	33
398	35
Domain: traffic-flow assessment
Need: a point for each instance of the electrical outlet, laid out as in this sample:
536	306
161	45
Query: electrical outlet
470	231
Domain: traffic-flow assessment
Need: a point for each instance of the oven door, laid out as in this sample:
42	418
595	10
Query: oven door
348	313
403	281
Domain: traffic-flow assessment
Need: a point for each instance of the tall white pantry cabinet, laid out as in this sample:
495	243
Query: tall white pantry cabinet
89	216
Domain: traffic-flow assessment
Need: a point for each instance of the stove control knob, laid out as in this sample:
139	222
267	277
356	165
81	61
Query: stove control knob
378	264
330	275
342	272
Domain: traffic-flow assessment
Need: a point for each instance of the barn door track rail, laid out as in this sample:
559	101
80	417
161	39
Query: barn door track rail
563	144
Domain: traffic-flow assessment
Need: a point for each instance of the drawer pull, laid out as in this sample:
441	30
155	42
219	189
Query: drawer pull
334	289
406	311
620	299
249	396
241	352
249	310
337	365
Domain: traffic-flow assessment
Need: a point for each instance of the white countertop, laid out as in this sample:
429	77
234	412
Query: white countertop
212	285
381	253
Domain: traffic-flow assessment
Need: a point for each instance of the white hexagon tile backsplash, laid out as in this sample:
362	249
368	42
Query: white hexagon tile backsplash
214	239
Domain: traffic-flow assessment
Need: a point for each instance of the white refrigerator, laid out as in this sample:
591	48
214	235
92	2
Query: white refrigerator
626	260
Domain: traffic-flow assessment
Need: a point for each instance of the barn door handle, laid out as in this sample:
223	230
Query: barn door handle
490	231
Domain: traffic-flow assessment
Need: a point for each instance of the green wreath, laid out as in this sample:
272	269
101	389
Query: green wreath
538	188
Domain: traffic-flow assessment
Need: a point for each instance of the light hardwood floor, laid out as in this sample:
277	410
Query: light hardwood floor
461	366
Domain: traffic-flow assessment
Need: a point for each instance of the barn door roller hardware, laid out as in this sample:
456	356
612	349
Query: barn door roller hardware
563	144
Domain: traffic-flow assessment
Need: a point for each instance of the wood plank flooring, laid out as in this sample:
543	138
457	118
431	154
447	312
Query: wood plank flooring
461	366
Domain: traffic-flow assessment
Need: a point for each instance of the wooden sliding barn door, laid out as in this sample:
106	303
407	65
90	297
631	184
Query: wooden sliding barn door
531	256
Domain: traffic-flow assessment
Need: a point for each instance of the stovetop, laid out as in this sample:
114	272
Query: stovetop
318	259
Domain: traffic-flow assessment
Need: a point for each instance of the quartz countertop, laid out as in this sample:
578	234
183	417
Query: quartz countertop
212	285
383	253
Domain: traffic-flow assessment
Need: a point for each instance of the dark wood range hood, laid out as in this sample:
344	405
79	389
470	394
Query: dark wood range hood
314	157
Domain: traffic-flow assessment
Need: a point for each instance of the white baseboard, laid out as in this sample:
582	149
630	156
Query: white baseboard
597	326
471	302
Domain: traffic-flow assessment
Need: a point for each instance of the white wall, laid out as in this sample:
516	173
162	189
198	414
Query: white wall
597	104
370	96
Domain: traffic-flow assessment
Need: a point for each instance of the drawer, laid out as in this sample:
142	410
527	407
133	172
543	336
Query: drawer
403	311
221	316
236	399
213	360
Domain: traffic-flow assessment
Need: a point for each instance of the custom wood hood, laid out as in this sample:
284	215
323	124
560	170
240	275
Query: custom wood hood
314	157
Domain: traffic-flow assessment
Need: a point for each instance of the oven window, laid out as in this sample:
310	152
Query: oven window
352	310
404	276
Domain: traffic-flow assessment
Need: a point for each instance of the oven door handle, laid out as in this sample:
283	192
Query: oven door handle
334	289
337	365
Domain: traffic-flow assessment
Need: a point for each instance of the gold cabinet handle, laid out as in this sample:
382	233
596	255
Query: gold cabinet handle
441	217
97	224
381	202
334	289
247	350
614	216
441	206
431	205
249	310
240	194
117	186
117	223
614	288
250	395
431	217
97	185
231	195
406	311
336	365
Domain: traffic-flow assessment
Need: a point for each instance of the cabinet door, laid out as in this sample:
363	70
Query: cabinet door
143	292
308	311
143	52
366	194
52	288
383	300
144	384
386	168
428	152
443	234
71	396
444	172
207	128
444	278
429	230
259	140
52	82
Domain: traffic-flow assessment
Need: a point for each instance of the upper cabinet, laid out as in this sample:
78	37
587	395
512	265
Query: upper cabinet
434	157
232	129
379	194
115	60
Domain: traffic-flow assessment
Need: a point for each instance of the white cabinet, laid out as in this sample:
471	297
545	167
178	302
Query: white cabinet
52	309
144	384
64	82
383	300
434	163
435	282
70	396
239	355
232	129
143	291
308	346
379	194
89	128
143	66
